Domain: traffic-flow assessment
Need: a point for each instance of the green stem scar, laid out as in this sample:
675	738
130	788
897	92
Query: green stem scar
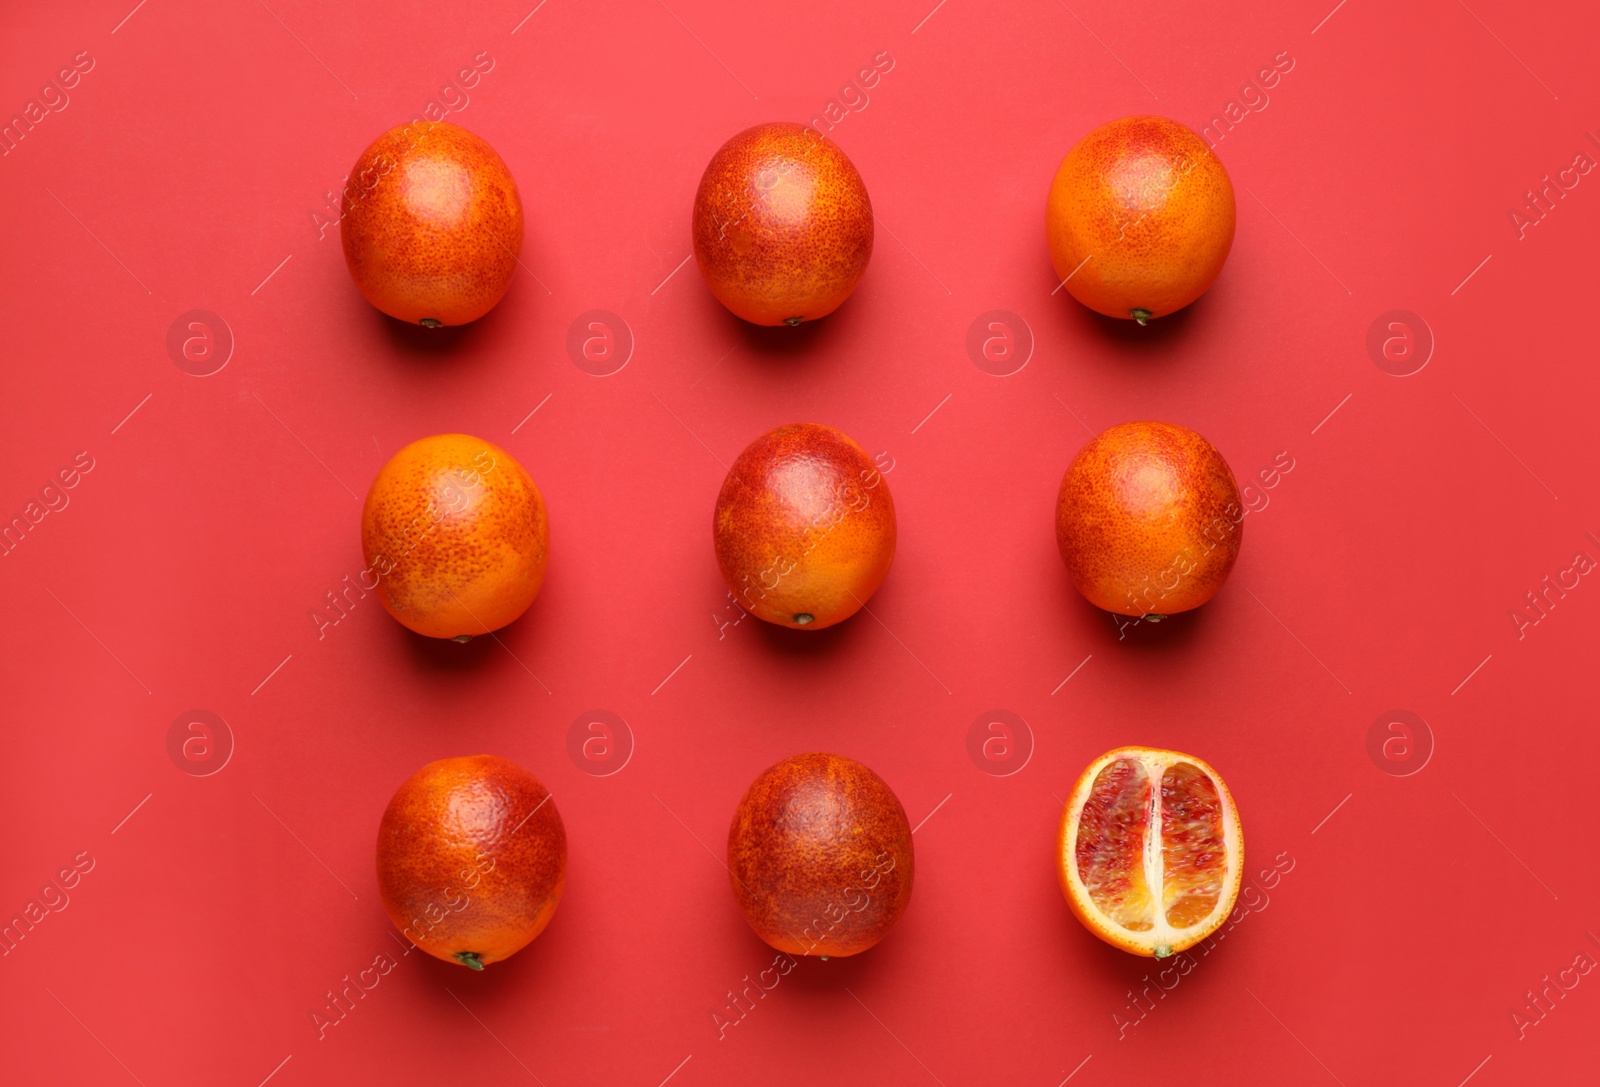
1153	618
1162	951
803	618
462	638
469	958
792	321
1141	315
434	322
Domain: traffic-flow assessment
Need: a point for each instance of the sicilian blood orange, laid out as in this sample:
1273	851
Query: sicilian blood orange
804	527
472	859
457	534
1150	853
1140	218
1148	519
782	225
820	856
432	224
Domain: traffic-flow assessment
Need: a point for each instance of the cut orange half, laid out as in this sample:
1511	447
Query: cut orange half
1151	854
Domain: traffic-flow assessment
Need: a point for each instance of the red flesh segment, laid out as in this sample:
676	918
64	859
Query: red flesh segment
1110	847
1193	854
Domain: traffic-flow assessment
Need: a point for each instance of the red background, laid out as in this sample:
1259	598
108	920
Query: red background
1378	577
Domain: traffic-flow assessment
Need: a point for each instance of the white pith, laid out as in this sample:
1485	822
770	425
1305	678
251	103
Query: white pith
1161	934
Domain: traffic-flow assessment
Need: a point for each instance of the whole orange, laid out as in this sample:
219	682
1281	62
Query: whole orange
804	527
1140	218
1148	519
472	859
432	224
456	534
782	225
819	856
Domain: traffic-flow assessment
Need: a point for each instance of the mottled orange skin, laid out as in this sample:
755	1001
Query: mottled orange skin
819	856
782	225
1140	217
1148	519
455	531
472	858
804	527
432	224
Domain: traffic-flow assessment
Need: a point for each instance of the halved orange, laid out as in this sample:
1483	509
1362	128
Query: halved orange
1151	854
